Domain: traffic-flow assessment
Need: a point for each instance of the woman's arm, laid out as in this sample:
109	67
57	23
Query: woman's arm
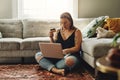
78	41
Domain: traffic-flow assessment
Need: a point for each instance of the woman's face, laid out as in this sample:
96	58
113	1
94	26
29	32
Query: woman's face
65	23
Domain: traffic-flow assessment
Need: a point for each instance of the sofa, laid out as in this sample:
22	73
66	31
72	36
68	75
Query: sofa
20	37
20	40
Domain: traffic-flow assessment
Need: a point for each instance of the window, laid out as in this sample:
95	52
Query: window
46	9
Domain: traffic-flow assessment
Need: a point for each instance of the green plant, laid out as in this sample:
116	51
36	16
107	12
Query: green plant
114	42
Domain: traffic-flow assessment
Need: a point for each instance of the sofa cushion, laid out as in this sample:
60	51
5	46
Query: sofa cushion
10	44
37	28
11	28
113	24
103	33
97	47
32	43
90	29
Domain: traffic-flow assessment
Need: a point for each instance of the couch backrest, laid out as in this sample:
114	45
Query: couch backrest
33	27
11	28
37	28
82	22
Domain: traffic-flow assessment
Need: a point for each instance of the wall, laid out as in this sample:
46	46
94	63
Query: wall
95	8
5	9
86	8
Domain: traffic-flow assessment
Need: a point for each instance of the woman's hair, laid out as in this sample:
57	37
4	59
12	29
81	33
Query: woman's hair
69	17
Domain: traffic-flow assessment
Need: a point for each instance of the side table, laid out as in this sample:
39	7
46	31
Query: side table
104	66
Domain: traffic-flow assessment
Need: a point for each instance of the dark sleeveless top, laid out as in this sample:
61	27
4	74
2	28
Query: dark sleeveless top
68	43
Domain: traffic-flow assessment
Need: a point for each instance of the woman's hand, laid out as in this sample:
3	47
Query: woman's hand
51	34
65	51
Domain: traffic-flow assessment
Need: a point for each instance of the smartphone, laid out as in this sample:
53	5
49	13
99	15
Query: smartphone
53	29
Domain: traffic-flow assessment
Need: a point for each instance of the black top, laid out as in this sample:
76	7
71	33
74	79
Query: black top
68	43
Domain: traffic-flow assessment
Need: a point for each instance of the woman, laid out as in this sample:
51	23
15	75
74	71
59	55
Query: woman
70	38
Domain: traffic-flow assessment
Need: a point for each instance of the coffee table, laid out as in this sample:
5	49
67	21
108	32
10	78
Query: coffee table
104	66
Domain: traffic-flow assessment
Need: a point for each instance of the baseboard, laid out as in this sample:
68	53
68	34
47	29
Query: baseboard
9	60
17	60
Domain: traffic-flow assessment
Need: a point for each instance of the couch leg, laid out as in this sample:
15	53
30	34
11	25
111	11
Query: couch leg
22	60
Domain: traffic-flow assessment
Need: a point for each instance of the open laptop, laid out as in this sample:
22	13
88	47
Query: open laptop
51	50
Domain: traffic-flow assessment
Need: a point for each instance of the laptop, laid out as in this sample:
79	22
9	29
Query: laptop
51	50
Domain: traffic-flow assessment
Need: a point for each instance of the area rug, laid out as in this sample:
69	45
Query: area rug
34	72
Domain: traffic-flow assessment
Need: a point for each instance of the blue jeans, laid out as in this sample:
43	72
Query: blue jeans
49	63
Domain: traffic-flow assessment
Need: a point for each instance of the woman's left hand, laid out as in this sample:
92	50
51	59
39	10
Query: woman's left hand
65	51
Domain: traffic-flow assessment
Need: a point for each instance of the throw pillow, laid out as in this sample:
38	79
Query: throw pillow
113	24
99	22
87	28
103	33
90	30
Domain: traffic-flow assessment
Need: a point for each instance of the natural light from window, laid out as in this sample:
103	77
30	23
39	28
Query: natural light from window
45	9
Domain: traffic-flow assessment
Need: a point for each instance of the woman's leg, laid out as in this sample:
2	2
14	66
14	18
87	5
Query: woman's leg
68	63
38	56
72	62
48	63
43	62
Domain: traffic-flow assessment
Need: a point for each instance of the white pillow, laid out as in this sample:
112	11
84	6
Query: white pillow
103	33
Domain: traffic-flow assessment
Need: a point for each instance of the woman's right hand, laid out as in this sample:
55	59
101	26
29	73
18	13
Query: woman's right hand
51	34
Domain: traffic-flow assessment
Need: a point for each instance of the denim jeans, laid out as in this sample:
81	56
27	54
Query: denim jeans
49	63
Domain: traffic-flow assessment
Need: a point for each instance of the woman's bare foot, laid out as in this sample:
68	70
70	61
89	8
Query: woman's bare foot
58	71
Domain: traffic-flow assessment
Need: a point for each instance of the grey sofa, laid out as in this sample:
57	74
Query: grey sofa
20	39
94	48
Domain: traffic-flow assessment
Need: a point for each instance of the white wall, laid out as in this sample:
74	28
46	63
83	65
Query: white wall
86	8
95	8
5	9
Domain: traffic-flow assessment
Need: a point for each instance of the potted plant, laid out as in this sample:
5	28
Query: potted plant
114	42
113	55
